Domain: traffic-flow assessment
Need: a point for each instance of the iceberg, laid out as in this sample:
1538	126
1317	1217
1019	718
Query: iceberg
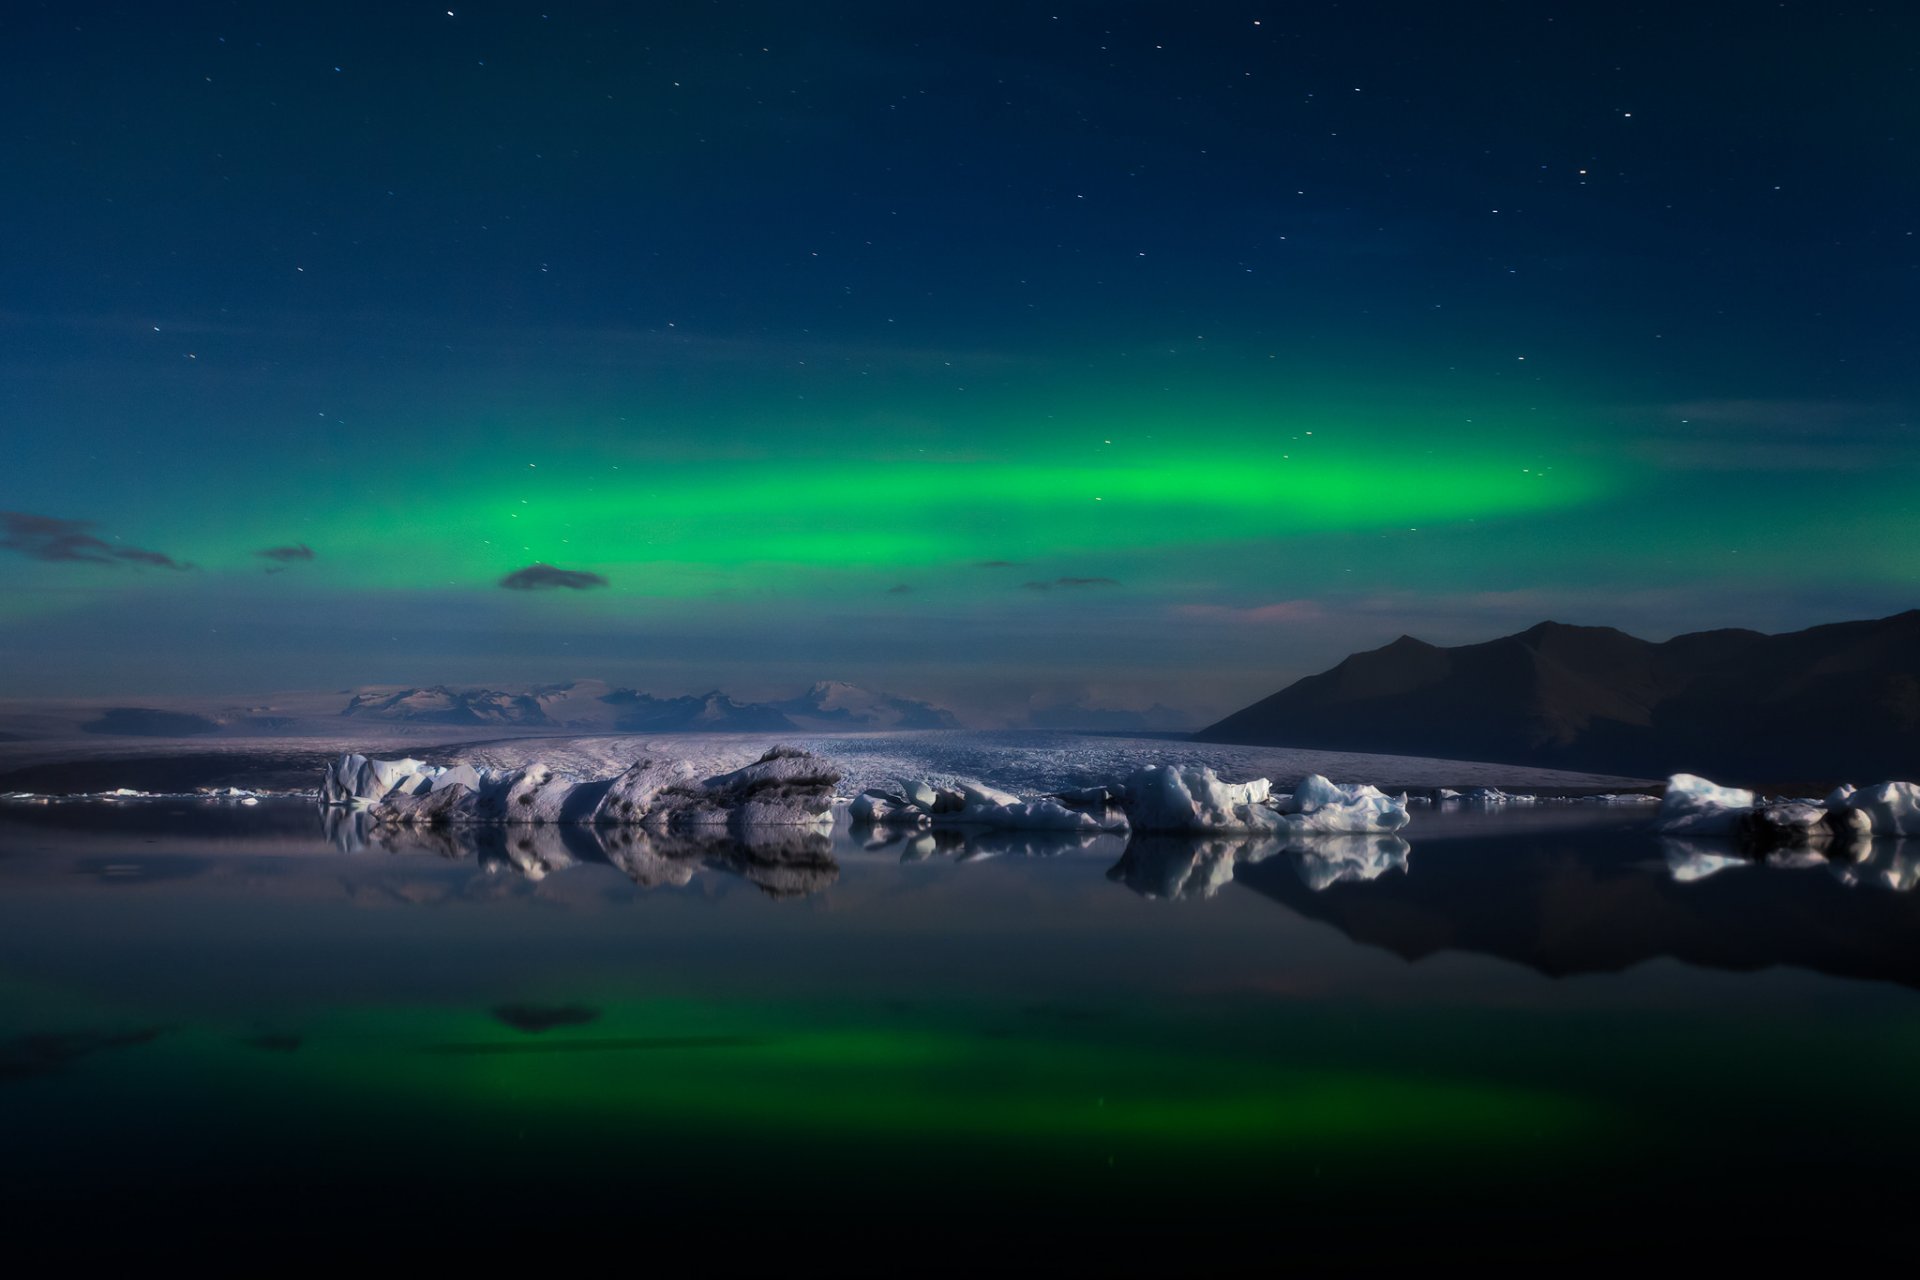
1893	808
786	787
1694	806
1171	798
1319	805
922	804
1160	798
355	781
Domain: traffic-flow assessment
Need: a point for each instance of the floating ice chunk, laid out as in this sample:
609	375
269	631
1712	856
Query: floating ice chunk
357	781
428	809
1319	805
785	787
1783	824
1892	807
630	798
974	804
1695	806
1171	798
1838	797
881	809
986	806
459	775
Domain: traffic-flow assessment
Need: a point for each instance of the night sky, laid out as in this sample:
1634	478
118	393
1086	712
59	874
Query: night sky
1001	354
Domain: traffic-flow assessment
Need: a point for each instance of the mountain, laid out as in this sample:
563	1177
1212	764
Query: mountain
832	704
592	706
441	705
1831	702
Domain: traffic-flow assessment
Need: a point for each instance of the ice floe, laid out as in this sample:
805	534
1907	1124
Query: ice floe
1693	806
785	787
1159	798
921	804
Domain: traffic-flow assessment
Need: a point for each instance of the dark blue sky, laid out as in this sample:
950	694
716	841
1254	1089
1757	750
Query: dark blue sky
784	319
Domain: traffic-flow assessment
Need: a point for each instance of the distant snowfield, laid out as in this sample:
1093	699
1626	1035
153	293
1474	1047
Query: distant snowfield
1026	762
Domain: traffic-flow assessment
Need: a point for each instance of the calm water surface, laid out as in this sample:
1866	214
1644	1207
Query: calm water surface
229	1031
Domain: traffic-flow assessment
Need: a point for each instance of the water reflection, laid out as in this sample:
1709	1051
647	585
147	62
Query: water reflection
1175	866
783	862
1562	893
974	844
1573	902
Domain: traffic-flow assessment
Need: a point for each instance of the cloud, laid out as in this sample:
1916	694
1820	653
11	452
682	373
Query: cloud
286	554
1069	583
996	564
62	541
539	577
901	589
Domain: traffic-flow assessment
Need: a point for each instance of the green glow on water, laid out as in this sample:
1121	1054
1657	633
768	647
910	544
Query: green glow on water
780	1078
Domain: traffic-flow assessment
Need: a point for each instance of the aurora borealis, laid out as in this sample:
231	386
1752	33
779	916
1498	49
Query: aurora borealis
1113	352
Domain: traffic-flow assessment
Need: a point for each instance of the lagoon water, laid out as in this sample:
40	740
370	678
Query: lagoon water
232	1032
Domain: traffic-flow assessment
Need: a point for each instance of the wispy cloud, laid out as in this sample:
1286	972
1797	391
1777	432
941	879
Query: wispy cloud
1069	583
541	577
900	589
286	555
996	564
62	541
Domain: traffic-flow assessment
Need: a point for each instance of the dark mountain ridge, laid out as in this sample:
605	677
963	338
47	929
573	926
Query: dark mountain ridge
1839	701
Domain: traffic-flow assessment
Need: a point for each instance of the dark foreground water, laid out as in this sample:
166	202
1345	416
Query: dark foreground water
1525	1043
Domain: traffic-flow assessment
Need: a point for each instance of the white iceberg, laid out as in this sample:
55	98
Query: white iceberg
1695	806
1892	807
922	804
356	781
1319	805
1171	798
784	788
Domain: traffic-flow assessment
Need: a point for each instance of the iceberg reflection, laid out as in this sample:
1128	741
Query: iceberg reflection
782	861
1175	866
